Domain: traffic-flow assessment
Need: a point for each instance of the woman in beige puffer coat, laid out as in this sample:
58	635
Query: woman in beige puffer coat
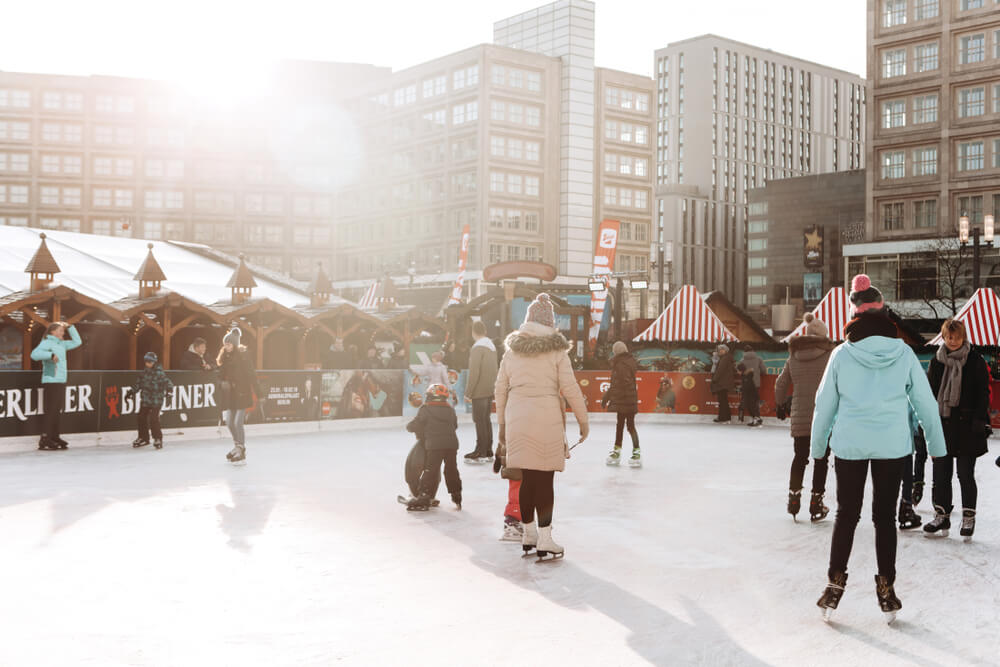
534	379
807	358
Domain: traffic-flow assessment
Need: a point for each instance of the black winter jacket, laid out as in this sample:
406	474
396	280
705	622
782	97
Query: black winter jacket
623	396
239	380
724	378
435	424
965	430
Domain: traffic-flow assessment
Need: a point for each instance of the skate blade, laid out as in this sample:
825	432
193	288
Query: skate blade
529	552
612	463
937	535
238	464
546	556
890	616
828	614
967	538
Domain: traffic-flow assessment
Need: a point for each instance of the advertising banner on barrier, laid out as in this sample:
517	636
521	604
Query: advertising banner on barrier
416	388
21	399
192	402
353	394
287	396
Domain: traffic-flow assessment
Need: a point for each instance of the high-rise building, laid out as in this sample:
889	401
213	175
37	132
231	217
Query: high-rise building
933	145
731	116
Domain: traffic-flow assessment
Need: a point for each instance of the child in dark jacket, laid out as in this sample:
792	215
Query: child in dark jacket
436	424
152	386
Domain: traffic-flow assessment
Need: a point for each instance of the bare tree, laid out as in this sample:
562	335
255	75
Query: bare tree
954	279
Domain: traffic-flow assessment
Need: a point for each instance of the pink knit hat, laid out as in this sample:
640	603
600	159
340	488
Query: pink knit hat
863	295
540	311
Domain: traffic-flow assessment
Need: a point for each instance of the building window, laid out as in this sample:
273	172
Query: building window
970	155
49	196
641	199
893	63
971	206
496	110
925	57
925	161
926	9
531	186
925	109
496	181
972	4
892	164
532	151
513	219
102	197
756	245
893	13
757	299
533	116
123	198
758	227
514	184
972	49
996	157
757	263
925	213
530	221
757	281
892	216
496	253
534	82
894	114
971	102
516	79
496	218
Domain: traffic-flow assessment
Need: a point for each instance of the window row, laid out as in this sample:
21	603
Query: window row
923	162
514	218
971	155
923	214
512	253
515	149
626	165
72	133
465	113
914	59
15	162
923	109
625	263
898	12
513	77
515	113
626	197
626	132
514	184
633	231
626	99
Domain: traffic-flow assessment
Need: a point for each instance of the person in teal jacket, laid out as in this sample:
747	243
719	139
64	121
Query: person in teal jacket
52	353
862	411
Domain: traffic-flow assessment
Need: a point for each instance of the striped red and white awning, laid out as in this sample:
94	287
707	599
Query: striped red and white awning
369	300
834	310
687	317
981	316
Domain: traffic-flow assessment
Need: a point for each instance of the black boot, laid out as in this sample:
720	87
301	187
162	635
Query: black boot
940	524
968	524
834	590
45	443
421	503
887	599
918	492
817	510
794	502
907	517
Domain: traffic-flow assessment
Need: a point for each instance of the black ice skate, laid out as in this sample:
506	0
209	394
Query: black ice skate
817	510
405	500
139	442
830	598
968	524
939	525
62	444
907	517
887	599
45	443
918	492
238	456
421	503
794	502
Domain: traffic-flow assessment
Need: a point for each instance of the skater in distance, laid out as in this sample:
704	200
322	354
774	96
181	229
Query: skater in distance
753	371
534	380
960	380
239	386
723	382
479	391
862	411
435	425
623	397
152	386
51	351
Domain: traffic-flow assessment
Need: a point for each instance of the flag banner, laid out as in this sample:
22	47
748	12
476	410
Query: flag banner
456	291
604	262
369	301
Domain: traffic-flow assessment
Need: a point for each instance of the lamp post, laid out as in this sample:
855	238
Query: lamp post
963	237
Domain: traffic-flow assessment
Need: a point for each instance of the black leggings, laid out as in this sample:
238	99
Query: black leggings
53	400
801	460
537	495
626	418
943	468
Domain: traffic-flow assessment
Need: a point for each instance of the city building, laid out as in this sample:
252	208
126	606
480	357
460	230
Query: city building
731	117
129	157
795	231
933	144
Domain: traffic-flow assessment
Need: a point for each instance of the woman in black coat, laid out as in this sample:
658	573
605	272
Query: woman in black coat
239	380
623	398
960	380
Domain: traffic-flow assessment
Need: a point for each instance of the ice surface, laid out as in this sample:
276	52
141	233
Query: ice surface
114	556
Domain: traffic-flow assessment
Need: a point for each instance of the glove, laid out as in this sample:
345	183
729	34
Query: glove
497	464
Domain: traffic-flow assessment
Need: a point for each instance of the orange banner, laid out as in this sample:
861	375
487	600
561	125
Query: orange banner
604	264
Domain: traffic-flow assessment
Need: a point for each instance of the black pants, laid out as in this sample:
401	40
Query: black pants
801	460
920	457
751	401
537	496
149	418
851	476
484	427
944	468
723	398
626	418
431	476
53	401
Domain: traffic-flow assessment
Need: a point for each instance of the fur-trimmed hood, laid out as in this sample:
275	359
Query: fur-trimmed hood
807	348
533	341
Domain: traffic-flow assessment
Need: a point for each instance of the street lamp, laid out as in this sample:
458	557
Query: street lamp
596	285
963	238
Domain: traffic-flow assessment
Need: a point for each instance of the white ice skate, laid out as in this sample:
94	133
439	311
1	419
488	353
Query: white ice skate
636	460
238	455
615	457
547	549
529	539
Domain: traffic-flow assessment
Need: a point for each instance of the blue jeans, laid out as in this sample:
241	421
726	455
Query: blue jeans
234	420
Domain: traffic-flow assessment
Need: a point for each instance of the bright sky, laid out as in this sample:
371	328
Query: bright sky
189	38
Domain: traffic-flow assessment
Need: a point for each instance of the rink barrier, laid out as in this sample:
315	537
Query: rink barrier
103	402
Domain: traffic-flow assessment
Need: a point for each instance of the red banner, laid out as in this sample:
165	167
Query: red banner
456	291
604	264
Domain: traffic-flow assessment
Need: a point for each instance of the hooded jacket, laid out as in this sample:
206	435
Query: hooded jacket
55	371
435	425
755	365
807	359
864	399
482	369
534	377
623	395
153	385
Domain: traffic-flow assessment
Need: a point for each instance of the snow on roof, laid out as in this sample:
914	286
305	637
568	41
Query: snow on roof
102	267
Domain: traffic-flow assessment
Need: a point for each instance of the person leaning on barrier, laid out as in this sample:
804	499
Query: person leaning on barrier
194	359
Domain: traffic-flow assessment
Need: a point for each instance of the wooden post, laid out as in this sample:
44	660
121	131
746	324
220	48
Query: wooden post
165	360
260	342
56	310
26	346
302	350
133	349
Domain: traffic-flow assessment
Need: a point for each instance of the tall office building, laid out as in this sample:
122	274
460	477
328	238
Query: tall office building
731	116
933	141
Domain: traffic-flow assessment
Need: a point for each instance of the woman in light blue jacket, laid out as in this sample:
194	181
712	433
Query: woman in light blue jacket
862	410
52	353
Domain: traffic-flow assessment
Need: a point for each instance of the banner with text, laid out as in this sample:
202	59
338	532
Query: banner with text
604	264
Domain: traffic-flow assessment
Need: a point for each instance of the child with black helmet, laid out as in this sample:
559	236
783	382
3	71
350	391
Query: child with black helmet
436	424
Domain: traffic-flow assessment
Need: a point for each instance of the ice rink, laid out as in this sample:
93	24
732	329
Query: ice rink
114	556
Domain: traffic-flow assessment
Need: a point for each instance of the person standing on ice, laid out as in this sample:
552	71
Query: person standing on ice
479	391
238	376
152	385
435	425
862	411
807	358
51	351
754	366
623	397
960	380
723	382
535	378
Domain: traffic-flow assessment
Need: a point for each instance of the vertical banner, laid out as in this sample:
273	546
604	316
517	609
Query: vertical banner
369	300
604	262
812	247
456	291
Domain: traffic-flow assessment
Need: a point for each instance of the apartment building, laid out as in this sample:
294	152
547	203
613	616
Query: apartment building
933	141
128	157
730	117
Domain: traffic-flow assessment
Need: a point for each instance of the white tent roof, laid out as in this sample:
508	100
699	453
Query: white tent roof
687	317
102	267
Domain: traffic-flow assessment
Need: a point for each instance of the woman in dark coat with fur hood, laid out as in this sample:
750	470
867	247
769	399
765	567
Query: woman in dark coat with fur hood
623	397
